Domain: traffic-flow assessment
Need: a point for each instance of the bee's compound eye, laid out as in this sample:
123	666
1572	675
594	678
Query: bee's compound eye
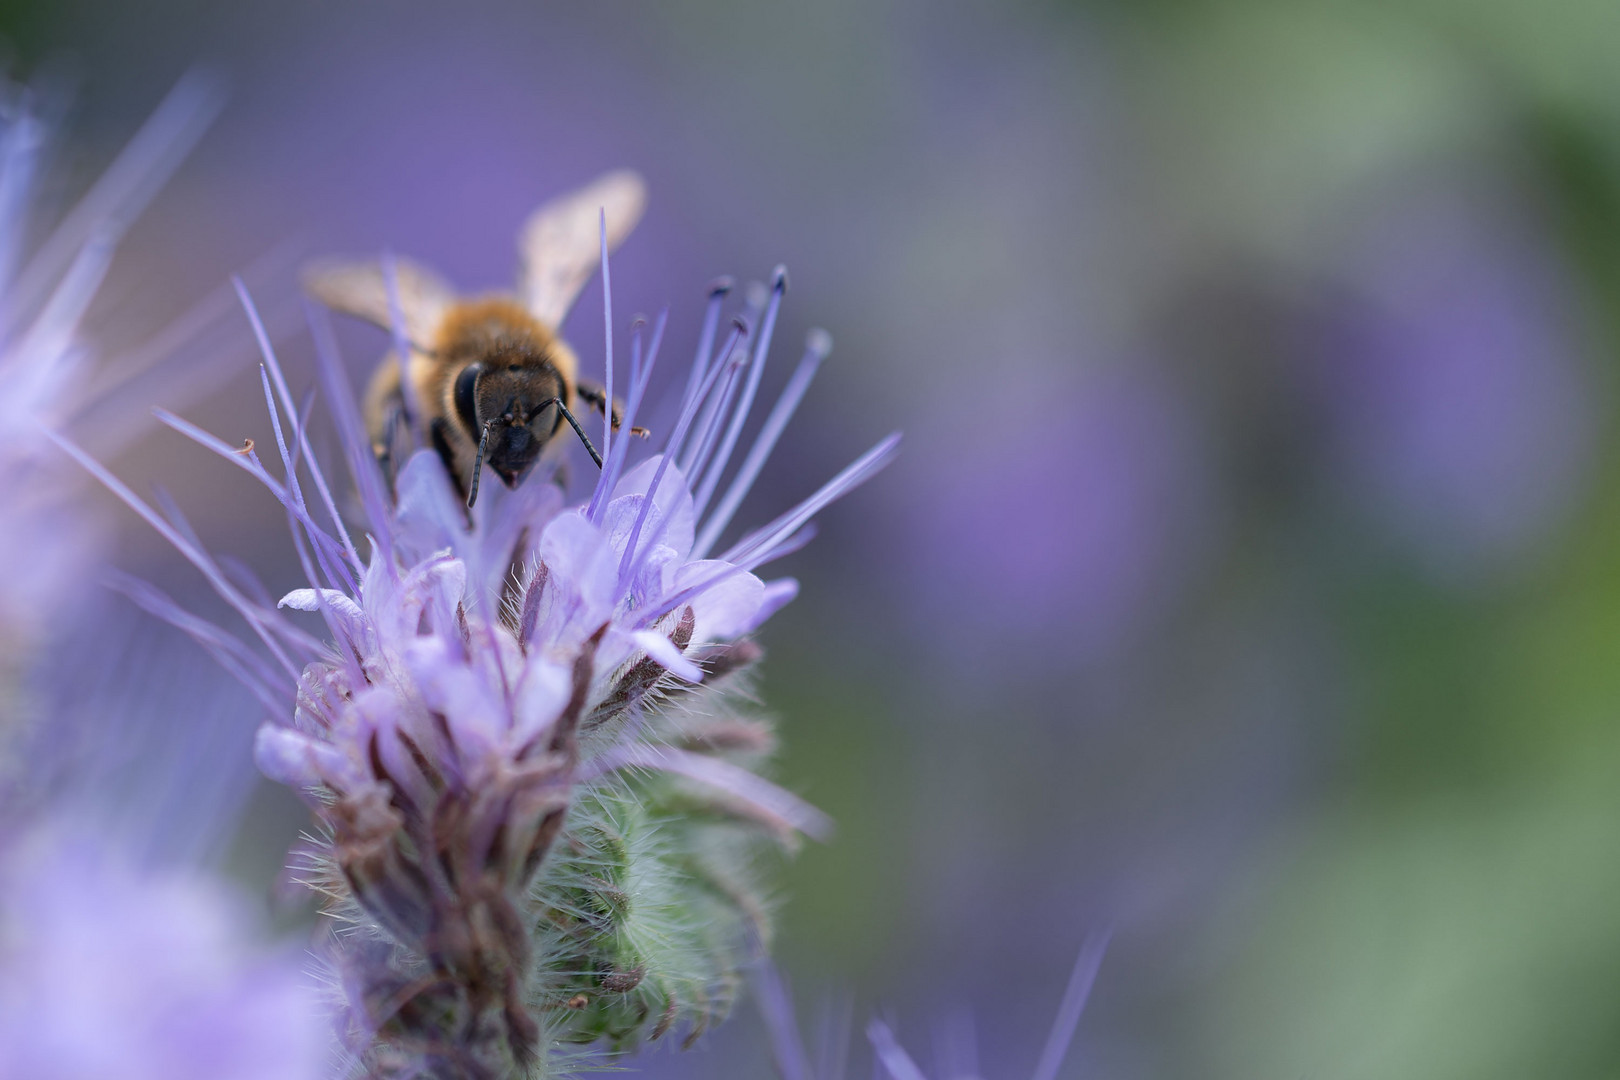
465	398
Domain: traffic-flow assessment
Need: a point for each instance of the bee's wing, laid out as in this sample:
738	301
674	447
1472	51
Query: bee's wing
361	289
560	245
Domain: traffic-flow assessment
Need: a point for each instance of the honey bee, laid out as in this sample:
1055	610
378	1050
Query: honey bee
488	380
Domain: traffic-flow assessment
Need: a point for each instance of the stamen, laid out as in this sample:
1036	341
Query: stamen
235	657
701	395
714	412
264	624
52	331
761	349
630	562
638	388
888	1051
1074	1002
816	347
756	548
295	505
363	465
314	466
753	306
854	475
718	289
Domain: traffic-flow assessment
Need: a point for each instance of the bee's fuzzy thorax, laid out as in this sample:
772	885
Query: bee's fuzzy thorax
491	322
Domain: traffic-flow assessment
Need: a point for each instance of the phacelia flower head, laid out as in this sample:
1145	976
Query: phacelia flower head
540	815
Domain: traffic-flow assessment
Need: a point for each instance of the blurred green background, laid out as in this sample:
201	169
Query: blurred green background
1250	581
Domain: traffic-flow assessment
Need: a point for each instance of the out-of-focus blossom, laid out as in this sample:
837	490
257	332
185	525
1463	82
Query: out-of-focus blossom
45	373
1066	523
959	1058
523	852
108	971
1460	413
121	956
110	966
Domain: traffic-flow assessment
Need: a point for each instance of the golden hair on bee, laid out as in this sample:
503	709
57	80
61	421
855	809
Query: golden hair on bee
488	381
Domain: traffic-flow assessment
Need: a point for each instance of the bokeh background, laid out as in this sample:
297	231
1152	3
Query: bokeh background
1250	579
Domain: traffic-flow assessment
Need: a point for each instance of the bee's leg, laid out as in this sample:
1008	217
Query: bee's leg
595	395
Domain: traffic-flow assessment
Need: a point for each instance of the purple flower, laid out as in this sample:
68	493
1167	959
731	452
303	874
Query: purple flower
1460	414
520	737
1112	502
108	971
108	967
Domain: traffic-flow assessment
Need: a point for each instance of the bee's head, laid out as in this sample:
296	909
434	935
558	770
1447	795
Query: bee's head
510	408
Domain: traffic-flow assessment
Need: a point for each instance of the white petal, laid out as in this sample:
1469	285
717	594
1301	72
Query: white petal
662	650
312	599
297	760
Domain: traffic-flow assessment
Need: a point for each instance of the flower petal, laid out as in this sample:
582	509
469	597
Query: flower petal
581	577
663	650
670	520
297	760
428	517
312	599
778	594
728	607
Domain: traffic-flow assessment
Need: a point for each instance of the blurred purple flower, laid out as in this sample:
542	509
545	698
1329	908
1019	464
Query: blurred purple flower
108	966
488	673
107	971
1108	496
44	370
1460	412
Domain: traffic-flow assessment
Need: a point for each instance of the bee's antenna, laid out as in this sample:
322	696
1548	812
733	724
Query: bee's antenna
589	449
478	464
